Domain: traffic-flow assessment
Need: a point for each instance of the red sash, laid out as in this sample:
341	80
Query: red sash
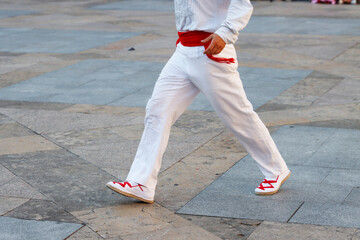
193	39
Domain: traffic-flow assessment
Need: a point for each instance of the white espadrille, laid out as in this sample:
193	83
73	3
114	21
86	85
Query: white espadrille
271	186
133	190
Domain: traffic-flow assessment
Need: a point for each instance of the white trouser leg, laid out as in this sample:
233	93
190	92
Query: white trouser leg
222	86
172	94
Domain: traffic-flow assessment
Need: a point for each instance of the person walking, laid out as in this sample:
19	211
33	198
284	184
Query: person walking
204	61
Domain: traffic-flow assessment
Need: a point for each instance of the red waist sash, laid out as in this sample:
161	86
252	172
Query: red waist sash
193	39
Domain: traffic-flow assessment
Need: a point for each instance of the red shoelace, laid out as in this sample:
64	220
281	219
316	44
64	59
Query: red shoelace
129	184
267	182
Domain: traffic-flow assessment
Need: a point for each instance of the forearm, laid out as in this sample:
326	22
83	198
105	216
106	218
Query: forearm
238	16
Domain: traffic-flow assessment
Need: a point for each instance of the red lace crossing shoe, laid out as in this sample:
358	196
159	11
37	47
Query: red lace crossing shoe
271	186
133	190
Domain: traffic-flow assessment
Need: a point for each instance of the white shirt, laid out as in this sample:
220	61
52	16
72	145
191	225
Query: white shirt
224	17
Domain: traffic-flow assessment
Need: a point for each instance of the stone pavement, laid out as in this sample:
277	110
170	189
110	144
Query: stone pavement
75	77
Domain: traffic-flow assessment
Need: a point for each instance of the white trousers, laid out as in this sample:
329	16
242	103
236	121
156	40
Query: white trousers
188	72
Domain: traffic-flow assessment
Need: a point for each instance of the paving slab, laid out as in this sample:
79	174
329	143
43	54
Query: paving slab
157	5
216	203
7	13
84	233
37	209
225	228
299	25
9	203
16	187
284	231
344	177
31	40
5	175
79	184
42	121
344	92
327	214
4	119
338	151
353	198
17	229
106	82
151	220
14	130
24	144
309	184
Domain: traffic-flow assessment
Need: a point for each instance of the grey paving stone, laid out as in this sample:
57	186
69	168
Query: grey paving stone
231	205
156	5
56	41
247	170
356	235
78	183
106	82
7	13
14	130
353	198
97	82
120	152
9	203
290	191
19	229
85	233
344	177
4	119
33	105
338	151
307	183
225	228
298	143
328	214
301	25
42	210
54	121
16	187
5	175
345	92
284	231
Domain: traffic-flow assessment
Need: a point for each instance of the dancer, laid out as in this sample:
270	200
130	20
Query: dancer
204	60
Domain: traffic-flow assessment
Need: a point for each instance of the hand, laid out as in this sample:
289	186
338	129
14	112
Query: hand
216	46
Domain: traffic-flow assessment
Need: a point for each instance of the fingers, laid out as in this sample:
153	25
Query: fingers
216	45
213	48
209	38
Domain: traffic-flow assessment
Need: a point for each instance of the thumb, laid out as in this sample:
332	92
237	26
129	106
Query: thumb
207	39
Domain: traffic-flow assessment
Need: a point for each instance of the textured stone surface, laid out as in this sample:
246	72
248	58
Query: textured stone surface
151	220
159	5
43	121
9	203
84	233
14	229
225	228
12	13
55	41
78	183
108	82
14	130
282	231
314	26
42	210
215	203
232	195
34	143
327	214
353	198
15	187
